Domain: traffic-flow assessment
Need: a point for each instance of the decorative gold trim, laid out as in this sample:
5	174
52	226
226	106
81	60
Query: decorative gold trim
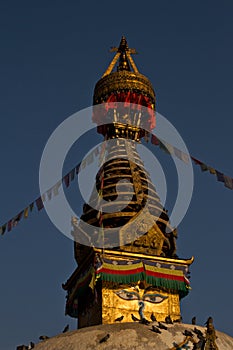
146	256
112	64
123	81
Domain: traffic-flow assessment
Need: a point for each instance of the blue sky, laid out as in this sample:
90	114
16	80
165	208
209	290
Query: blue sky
52	54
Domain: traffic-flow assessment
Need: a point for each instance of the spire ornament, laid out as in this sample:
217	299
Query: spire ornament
123	54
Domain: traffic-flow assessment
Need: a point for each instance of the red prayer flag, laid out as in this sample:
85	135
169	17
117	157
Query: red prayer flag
66	179
9	225
154	140
196	161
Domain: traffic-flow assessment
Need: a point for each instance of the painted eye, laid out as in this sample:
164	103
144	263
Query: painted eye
126	295
154	298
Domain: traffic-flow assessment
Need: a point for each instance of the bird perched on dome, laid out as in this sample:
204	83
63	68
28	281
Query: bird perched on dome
104	339
135	319
65	329
162	326
168	320
119	319
156	330
152	317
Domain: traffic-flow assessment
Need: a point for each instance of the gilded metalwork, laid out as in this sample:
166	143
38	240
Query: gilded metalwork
122	81
123	52
114	306
112	253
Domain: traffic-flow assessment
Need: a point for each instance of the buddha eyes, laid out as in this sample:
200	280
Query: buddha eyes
124	294
154	298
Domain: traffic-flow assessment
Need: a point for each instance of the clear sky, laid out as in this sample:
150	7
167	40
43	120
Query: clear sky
52	54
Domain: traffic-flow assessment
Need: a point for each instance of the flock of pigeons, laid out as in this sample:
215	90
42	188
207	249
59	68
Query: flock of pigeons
163	326
155	328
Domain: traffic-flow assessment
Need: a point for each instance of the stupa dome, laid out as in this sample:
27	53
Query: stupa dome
131	336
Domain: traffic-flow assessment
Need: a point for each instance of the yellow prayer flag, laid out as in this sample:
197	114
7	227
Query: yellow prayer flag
212	170
25	213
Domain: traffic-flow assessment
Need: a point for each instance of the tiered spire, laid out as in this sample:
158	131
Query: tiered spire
129	266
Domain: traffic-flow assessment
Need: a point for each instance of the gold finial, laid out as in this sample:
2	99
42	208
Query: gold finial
123	54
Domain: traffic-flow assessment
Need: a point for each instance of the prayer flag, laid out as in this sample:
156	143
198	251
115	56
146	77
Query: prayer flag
170	148
154	140
31	206
25	213
228	182
84	163
66	179
211	170
90	158
39	203
77	168
185	157
196	161
204	167
178	153
220	176
56	188
9	225
2	229
72	173
49	194
96	151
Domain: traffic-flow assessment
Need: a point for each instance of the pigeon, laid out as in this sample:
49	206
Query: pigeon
145	321
175	345
135	319
161	326
156	330
31	345
65	329
43	337
199	345
22	347
104	339
198	332
119	319
168	320
209	321
194	320
188	333
152	317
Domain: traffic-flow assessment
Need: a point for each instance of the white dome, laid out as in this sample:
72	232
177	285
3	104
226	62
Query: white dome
128	336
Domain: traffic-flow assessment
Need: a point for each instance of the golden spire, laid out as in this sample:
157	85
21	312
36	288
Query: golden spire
123	54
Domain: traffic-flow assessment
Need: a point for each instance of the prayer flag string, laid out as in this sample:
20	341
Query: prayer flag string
100	151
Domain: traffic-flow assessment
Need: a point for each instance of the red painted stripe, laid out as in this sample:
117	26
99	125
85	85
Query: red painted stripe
120	272
165	275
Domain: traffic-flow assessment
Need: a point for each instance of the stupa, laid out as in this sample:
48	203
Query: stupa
133	270
127	288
